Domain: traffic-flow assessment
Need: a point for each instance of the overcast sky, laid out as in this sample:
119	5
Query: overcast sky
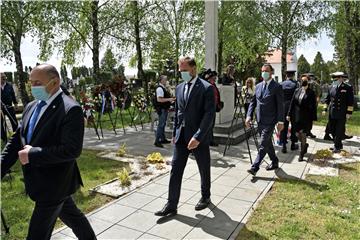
30	50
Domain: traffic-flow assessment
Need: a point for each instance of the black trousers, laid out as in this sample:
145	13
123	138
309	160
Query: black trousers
45	214
181	154
338	127
283	133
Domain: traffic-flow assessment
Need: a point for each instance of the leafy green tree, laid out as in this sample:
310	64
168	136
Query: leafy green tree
289	22
345	27
108	63
20	19
319	67
303	65
242	38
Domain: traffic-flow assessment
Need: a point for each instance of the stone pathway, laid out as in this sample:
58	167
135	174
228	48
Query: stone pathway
235	193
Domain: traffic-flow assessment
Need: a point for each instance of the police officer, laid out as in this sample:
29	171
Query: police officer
315	86
289	86
339	101
328	130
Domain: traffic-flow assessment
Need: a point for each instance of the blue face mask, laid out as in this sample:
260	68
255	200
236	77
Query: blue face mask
40	93
265	75
186	76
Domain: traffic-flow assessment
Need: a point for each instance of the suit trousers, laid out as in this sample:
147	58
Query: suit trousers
265	146
181	154
45	214
338	127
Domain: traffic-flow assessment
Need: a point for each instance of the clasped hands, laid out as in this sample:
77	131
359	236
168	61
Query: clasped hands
24	155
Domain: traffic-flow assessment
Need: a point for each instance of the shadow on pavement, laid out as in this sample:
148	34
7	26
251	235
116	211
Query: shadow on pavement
284	177
220	226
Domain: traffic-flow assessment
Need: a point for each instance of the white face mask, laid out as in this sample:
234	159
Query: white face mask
186	76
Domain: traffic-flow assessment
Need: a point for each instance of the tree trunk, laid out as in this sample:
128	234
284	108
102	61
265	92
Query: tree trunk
349	61
19	67
283	58
177	50
140	73
96	43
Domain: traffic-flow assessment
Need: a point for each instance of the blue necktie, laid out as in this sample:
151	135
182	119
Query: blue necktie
33	120
263	90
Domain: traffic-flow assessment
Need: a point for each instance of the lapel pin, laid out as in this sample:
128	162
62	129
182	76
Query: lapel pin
53	106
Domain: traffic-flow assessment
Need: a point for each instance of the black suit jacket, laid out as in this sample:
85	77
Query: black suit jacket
52	172
198	112
304	111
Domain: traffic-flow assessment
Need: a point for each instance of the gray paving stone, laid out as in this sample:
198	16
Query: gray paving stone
229	180
59	236
136	200
220	189
155	205
235	209
244	194
190	185
149	236
114	213
119	232
173	228
154	189
139	220
207	232
98	226
185	195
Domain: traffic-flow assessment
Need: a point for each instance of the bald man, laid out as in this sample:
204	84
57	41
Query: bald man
47	144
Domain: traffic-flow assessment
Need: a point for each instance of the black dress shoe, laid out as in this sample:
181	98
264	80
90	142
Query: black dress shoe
294	146
301	158
252	171
272	167
284	150
202	204
311	135
336	150
165	141
158	145
166	211
328	137
347	137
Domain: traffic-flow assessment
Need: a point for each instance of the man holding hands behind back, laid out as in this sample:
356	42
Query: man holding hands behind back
194	114
47	143
268	101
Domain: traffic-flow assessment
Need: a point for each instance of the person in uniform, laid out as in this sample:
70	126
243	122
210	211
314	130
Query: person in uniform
339	102
289	86
328	131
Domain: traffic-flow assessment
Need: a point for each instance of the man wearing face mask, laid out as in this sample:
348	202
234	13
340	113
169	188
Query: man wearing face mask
47	144
339	102
194	114
268	101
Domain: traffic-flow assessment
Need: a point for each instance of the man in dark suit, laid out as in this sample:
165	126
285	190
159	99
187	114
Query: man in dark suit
47	144
194	113
289	86
7	100
268	101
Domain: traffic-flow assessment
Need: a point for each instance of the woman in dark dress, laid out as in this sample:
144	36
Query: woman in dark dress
303	104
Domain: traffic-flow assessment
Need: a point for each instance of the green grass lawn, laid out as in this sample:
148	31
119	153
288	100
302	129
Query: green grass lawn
17	207
138	118
315	208
352	125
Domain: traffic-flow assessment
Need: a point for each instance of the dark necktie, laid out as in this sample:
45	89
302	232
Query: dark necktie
33	120
187	91
264	89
